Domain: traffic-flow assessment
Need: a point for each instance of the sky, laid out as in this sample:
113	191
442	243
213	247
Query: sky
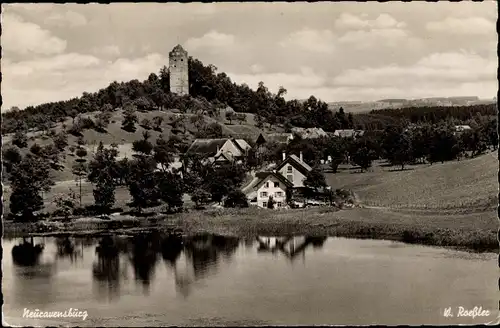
346	51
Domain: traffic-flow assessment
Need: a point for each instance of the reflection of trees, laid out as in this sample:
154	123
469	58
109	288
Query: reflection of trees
171	248
202	253
27	253
106	271
143	256
291	246
66	248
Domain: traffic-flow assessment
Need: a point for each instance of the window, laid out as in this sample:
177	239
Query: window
279	194
289	169
276	185
267	185
278	204
263	194
290	177
264	204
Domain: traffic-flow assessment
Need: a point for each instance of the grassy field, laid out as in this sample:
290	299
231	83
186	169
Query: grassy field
466	184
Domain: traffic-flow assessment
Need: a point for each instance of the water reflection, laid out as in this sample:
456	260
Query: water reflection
190	259
290	246
106	270
27	253
66	248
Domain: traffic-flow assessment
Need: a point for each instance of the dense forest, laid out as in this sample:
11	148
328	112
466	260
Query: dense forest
211	91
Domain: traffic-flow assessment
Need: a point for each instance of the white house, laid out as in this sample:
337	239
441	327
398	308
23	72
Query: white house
272	184
294	169
348	133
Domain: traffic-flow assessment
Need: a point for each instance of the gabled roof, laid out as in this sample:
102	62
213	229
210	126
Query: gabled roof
178	48
294	161
206	146
263	176
309	132
279	137
241	144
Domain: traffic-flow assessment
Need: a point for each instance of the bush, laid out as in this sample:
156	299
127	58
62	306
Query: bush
236	199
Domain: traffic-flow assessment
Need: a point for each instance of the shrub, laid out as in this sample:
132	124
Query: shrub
236	199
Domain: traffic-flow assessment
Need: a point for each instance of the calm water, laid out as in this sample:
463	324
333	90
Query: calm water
214	280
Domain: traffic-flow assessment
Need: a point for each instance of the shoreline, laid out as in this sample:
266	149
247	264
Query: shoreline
357	223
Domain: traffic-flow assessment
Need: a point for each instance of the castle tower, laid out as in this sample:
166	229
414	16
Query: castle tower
178	68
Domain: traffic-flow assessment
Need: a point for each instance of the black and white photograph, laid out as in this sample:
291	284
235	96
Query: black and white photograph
250	164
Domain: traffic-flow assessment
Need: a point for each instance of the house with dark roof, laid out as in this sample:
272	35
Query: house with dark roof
272	185
294	169
221	150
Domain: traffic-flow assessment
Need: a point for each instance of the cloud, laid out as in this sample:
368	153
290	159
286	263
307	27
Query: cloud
435	69
212	40
109	50
62	77
364	39
321	41
66	18
470	25
27	38
350	21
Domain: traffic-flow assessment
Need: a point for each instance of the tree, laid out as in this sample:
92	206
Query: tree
236	198
362	153
315	179
142	183
129	118
336	149
20	140
163	153
143	147
270	202
66	203
402	152
28	180
145	123
103	172
123	170
10	157
61	140
170	188
241	117
200	196
102	121
157	121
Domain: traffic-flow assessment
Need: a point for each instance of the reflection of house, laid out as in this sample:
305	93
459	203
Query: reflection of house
294	169
220	150
348	133
272	184
290	246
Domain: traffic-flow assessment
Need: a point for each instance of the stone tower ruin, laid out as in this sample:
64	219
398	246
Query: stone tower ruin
178	68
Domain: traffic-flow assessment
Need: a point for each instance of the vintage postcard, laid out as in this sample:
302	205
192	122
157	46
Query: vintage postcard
250	164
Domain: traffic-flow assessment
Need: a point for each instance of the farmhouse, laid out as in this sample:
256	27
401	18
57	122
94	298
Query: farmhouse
348	133
220	150
272	185
309	133
461	128
294	169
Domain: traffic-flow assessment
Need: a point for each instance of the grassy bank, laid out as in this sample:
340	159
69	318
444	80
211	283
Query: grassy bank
477	232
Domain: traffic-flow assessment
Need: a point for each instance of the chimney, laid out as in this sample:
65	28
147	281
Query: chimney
301	158
284	156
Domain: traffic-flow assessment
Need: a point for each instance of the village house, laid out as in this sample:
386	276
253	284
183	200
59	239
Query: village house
348	133
459	129
222	150
294	169
309	133
272	185
284	138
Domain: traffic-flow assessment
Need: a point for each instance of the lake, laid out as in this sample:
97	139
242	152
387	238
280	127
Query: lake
158	279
